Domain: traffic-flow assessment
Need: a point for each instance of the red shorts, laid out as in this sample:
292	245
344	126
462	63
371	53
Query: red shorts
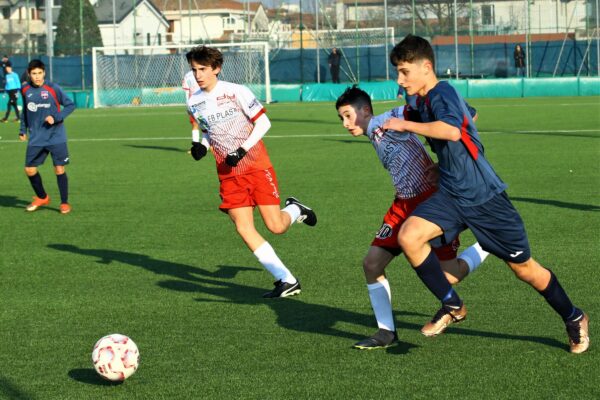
387	237
249	190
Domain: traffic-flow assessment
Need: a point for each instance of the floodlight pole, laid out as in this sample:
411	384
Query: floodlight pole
301	47
597	40
385	25
456	38
49	36
317	40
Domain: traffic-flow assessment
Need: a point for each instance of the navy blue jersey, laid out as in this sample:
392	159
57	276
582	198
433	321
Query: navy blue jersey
412	102
39	103
465	174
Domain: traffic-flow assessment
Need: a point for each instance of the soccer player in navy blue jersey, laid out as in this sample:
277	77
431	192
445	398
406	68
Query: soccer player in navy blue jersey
45	107
409	165
470	195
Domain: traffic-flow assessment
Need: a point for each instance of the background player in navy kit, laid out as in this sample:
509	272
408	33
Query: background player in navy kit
43	118
470	195
408	164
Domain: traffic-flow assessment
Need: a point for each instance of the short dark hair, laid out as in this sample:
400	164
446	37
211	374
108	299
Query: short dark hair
355	97
412	48
33	64
206	56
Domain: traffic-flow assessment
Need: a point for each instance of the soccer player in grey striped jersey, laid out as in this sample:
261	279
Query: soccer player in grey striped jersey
413	175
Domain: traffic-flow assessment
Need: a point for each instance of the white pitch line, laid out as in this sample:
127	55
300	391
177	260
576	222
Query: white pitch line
133	139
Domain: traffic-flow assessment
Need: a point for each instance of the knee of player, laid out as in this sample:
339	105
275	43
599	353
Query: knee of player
277	228
373	268
31	171
245	229
409	236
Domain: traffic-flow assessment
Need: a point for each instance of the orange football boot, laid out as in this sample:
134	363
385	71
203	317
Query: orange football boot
37	203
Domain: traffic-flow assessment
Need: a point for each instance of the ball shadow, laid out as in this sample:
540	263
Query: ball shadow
89	376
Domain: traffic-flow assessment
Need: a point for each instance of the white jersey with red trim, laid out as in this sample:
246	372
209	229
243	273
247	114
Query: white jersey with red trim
402	154
189	84
227	114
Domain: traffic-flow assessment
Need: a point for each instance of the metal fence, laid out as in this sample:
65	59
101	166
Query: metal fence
471	39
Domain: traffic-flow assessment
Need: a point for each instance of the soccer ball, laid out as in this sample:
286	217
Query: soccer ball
115	357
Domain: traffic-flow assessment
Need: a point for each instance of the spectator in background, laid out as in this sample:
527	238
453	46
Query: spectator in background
12	86
519	56
5	63
334	65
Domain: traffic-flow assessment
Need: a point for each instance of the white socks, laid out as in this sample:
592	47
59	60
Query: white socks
294	211
267	257
473	256
381	301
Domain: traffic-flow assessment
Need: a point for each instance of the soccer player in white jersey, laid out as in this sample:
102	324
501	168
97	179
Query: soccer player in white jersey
233	123
413	176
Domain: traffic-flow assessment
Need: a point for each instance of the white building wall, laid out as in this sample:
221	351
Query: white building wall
144	21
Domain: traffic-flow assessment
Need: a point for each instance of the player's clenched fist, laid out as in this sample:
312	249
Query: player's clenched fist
198	150
234	157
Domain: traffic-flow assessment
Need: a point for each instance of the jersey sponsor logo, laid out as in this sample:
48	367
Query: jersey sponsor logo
253	103
378	133
221	115
33	107
44	95
384	232
198	106
225	99
202	123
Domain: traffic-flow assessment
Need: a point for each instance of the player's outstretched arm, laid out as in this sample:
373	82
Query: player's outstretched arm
435	130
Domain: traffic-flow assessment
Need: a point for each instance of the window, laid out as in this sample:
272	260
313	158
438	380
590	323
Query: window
159	39
147	39
487	14
229	23
6	12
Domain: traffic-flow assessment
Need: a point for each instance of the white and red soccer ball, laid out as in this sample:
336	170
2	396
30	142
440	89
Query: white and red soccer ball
115	357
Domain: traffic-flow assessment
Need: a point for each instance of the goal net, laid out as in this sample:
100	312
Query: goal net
152	75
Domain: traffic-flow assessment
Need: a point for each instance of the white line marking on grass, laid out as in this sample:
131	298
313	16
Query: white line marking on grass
132	139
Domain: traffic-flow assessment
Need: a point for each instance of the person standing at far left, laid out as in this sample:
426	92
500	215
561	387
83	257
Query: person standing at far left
45	107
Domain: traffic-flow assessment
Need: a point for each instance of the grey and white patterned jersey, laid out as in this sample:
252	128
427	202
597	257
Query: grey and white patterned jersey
402	154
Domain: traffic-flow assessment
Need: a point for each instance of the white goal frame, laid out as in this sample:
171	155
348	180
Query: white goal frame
148	51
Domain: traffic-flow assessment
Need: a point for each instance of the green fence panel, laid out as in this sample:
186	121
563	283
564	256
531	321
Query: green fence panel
545	87
492	88
589	86
461	86
285	92
387	90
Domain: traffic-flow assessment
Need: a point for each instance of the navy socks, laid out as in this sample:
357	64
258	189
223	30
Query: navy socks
38	187
63	187
556	296
430	272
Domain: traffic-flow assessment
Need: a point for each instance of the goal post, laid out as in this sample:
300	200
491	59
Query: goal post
152	75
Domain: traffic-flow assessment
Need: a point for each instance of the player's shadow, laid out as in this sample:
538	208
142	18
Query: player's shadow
557	203
12	201
160	267
164	148
291	313
89	376
8	390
